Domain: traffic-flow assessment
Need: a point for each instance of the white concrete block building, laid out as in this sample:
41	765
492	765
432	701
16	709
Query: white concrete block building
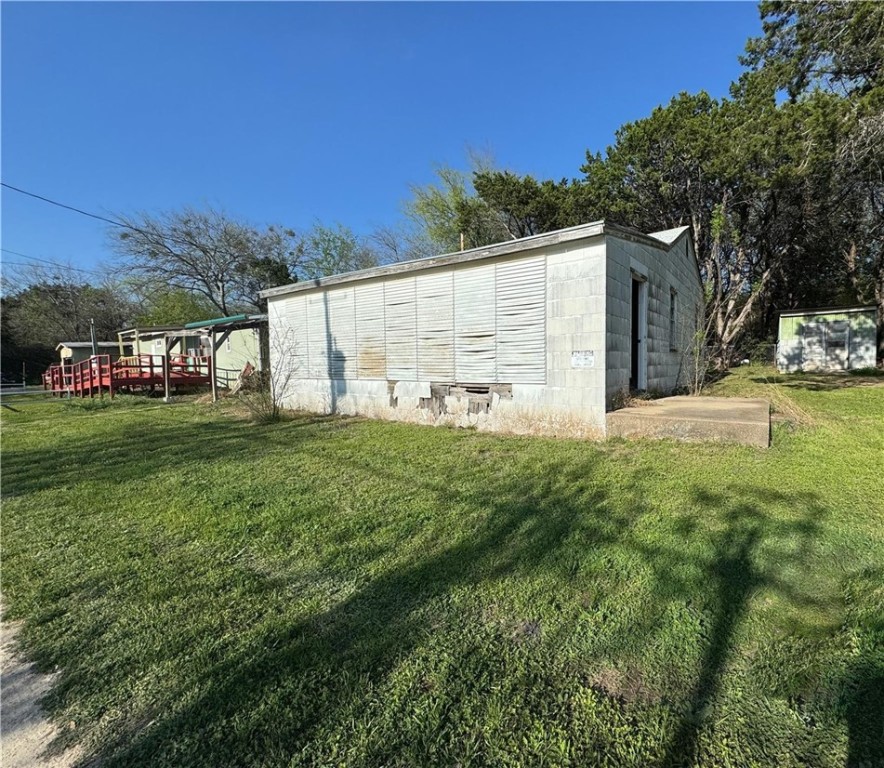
538	335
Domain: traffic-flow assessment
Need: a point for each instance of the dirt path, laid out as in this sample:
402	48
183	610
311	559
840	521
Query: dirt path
25	733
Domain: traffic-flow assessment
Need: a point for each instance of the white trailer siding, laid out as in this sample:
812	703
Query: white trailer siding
435	326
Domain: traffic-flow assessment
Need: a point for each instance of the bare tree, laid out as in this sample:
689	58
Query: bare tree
401	243
207	252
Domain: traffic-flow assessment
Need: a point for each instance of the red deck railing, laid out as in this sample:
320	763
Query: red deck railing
99	374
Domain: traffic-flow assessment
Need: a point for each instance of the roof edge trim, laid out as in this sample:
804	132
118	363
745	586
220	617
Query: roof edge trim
580	232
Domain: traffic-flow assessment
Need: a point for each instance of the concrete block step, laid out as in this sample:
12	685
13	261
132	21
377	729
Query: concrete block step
696	419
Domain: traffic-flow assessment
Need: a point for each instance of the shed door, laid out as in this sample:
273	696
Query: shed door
813	346
837	345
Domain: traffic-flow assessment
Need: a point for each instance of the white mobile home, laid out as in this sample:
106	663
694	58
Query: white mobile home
538	335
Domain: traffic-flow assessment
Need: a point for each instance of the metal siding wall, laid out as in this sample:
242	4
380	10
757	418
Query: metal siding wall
279	326
293	344
521	321
343	333
401	329
435	327
317	336
371	353
475	324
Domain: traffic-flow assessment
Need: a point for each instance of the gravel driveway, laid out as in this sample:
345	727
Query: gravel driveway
25	733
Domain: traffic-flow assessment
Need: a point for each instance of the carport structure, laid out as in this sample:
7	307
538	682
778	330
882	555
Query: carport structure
199	341
158	348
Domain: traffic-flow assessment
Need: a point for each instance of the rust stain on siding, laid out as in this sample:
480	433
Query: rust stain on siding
371	362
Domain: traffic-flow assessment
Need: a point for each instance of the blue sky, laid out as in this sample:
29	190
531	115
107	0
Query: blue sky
288	113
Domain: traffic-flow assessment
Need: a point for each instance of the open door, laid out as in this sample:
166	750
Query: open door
638	375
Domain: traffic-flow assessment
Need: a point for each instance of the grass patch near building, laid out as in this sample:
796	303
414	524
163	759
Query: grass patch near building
334	591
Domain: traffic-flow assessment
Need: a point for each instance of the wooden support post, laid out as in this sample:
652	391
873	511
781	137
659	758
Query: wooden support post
167	372
212	374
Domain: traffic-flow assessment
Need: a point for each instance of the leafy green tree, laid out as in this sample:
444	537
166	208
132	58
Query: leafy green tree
55	308
835	45
334	250
450	215
526	206
752	178
838	48
47	313
173	307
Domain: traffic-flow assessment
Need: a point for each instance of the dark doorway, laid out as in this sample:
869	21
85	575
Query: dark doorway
635	333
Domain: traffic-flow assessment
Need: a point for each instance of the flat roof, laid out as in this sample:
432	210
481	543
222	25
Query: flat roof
664	240
149	329
235	322
823	311
88	344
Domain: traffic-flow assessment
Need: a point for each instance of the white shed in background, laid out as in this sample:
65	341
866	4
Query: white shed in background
831	339
537	335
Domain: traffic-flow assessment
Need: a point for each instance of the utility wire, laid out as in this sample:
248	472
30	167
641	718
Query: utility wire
46	267
67	207
53	263
120	224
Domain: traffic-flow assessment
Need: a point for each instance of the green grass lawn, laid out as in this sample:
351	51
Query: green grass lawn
331	591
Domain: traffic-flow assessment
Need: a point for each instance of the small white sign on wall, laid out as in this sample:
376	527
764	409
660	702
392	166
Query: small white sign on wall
583	358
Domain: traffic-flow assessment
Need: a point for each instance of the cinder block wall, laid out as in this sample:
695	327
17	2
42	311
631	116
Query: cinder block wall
665	269
576	331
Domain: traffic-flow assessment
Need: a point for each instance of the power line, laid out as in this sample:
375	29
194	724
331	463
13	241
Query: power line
46	267
67	207
120	224
54	263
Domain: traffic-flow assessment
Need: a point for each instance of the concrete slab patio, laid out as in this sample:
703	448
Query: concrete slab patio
696	419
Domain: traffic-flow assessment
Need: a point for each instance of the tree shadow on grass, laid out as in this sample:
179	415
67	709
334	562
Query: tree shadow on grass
138	451
327	662
863	695
734	574
822	382
325	665
269	701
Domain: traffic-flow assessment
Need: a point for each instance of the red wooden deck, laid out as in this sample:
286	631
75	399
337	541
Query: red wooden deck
140	373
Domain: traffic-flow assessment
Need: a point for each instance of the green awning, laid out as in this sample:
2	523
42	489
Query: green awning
217	321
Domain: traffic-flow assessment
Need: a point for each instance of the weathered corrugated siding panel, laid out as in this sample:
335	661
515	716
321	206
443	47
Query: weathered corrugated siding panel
435	327
292	344
371	353
401	329
318	336
521	326
277	316
343	337
474	324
